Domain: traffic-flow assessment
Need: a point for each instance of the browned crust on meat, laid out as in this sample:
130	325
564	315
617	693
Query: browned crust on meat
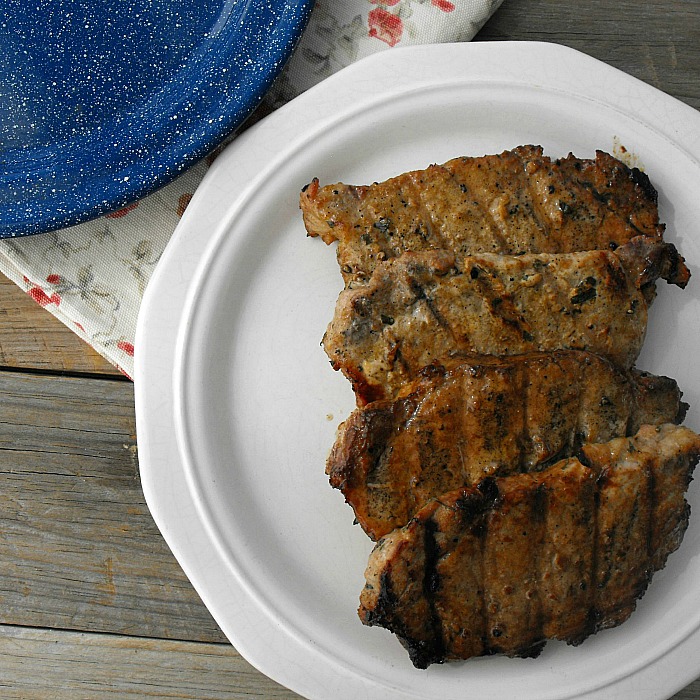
515	202
474	417
514	561
424	307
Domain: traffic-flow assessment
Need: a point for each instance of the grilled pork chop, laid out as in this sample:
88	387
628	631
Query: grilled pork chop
423	307
506	565
517	202
467	419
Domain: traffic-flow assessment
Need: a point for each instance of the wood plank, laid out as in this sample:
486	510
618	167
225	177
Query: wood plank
692	692
30	337
78	547
76	664
69	665
79	551
656	41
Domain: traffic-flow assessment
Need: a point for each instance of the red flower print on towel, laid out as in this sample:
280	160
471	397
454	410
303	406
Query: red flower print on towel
42	298
53	278
388	3
385	26
444	5
122	212
126	346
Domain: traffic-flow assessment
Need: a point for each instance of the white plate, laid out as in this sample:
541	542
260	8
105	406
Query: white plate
237	406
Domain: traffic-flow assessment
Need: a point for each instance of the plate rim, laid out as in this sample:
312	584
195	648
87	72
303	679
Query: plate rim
386	61
140	177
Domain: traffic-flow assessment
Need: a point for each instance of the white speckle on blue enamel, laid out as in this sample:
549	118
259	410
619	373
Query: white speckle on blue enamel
102	103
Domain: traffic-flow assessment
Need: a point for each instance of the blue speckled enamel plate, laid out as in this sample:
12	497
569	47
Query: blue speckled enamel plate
102	103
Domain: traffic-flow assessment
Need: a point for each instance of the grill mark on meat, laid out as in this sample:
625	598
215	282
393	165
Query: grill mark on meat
633	226
476	416
593	617
524	391
615	274
471	508
492	304
514	202
431	586
500	303
485	648
583	521
540	510
650	496
521	189
387	600
578	436
420	295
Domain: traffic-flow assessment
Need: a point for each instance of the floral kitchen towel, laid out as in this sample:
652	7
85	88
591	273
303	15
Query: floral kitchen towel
92	276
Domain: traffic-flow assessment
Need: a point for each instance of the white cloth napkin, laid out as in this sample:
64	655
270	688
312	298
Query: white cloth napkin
92	276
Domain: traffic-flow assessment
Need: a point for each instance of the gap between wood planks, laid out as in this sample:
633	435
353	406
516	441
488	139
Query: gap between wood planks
79	664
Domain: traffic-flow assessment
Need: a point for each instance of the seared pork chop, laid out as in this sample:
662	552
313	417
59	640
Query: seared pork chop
470	418
517	202
503	566
423	307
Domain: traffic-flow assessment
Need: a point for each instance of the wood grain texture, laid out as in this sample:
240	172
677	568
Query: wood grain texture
656	41
78	547
30	337
691	692
70	665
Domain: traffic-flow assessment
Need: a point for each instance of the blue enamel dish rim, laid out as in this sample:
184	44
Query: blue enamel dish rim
148	142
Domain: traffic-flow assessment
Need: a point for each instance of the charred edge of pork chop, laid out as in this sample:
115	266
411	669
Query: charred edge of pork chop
515	561
658	396
423	307
514	202
460	421
400	597
649	260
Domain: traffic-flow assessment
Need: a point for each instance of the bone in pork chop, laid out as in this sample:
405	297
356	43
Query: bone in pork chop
506	565
470	418
423	307
519	201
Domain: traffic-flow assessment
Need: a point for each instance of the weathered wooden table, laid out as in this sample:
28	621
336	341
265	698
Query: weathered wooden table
92	602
